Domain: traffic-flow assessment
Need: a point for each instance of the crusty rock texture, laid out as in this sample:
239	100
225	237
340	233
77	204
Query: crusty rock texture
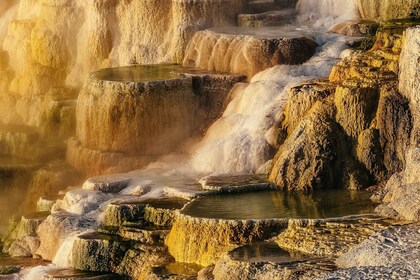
401	195
409	77
232	52
327	238
122	125
203	241
353	131
388	9
52	45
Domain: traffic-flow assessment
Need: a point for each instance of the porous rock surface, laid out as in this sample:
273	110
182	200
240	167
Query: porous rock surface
327	238
352	131
202	241
391	253
236	52
401	194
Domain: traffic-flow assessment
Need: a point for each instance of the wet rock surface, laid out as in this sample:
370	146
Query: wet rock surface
9	267
216	50
193	239
355	128
41	65
135	120
328	238
236	183
98	252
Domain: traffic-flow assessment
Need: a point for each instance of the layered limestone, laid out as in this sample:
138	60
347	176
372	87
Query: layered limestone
352	131
22	239
142	112
48	181
246	52
388	9
26	143
135	118
15	176
55	229
98	252
203	241
328	238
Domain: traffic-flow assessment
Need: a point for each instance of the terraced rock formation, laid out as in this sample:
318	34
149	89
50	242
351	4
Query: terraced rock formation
351	130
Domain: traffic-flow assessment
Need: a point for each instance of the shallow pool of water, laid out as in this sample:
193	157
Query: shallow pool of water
139	73
278	204
264	252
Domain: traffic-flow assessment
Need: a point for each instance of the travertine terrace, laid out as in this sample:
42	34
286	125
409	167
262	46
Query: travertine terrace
209	139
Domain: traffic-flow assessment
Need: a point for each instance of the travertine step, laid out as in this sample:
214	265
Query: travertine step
25	142
14	164
9	267
236	183
148	234
265	260
248	50
22	239
262	6
271	18
45	203
176	270
71	274
99	252
328	238
159	212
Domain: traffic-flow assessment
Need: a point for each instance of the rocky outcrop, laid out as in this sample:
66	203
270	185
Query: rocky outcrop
235	51
401	195
203	241
409	77
98	252
294	167
388	9
55	229
352	131
21	239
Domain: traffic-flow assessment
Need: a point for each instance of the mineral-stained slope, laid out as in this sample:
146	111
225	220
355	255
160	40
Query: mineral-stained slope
353	130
